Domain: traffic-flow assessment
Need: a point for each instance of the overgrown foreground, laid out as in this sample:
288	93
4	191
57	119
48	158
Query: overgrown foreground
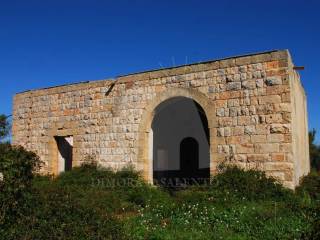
91	203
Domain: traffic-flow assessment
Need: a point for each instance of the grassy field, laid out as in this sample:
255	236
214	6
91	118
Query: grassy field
91	203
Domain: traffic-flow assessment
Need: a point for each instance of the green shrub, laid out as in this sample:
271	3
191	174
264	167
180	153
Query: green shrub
248	185
314	150
17	167
57	214
310	185
92	202
309	192
233	184
85	175
70	206
92	175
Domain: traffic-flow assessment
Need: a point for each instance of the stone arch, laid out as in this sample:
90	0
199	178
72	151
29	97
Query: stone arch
145	159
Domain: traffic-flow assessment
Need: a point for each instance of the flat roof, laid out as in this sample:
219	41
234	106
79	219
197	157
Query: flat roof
157	69
201	62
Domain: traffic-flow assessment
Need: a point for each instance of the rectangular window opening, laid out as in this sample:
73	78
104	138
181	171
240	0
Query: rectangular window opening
65	147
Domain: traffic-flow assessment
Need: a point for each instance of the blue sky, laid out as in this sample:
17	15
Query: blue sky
47	43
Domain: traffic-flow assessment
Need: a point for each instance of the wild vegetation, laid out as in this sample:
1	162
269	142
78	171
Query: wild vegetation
91	202
95	203
314	151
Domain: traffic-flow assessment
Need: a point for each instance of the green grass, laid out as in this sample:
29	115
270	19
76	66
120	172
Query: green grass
91	203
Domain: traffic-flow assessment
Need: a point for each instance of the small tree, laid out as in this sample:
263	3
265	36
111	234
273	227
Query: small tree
314	151
4	126
17	167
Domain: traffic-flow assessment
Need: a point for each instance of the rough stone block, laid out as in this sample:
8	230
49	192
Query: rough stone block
237	77
261	58
275	138
222	122
250	84
227	131
220	132
243	76
240	157
244	120
279	128
220	112
259	83
282	107
275	80
249	130
286	147
280	157
245	148
233	86
287	117
256	74
277	166
280	55
229	78
233	111
286	97
258	138
277	89
269	99
258	157
274	118
243	61
266	148
227	63
238	130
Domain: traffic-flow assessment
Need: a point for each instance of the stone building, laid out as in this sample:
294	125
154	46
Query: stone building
251	109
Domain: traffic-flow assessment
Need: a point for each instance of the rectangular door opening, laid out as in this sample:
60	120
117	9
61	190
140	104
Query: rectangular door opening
65	147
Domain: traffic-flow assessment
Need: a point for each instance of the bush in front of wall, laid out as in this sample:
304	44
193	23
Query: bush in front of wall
17	167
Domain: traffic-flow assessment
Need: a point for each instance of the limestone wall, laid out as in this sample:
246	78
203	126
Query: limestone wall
250	102
300	140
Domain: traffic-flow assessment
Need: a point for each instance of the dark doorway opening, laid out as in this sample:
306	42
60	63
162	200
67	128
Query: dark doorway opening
181	149
189	157
65	148
189	162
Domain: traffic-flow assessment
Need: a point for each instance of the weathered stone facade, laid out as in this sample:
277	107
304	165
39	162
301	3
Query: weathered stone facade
255	106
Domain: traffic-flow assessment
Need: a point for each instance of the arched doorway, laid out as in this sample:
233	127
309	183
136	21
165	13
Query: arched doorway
145	139
181	142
